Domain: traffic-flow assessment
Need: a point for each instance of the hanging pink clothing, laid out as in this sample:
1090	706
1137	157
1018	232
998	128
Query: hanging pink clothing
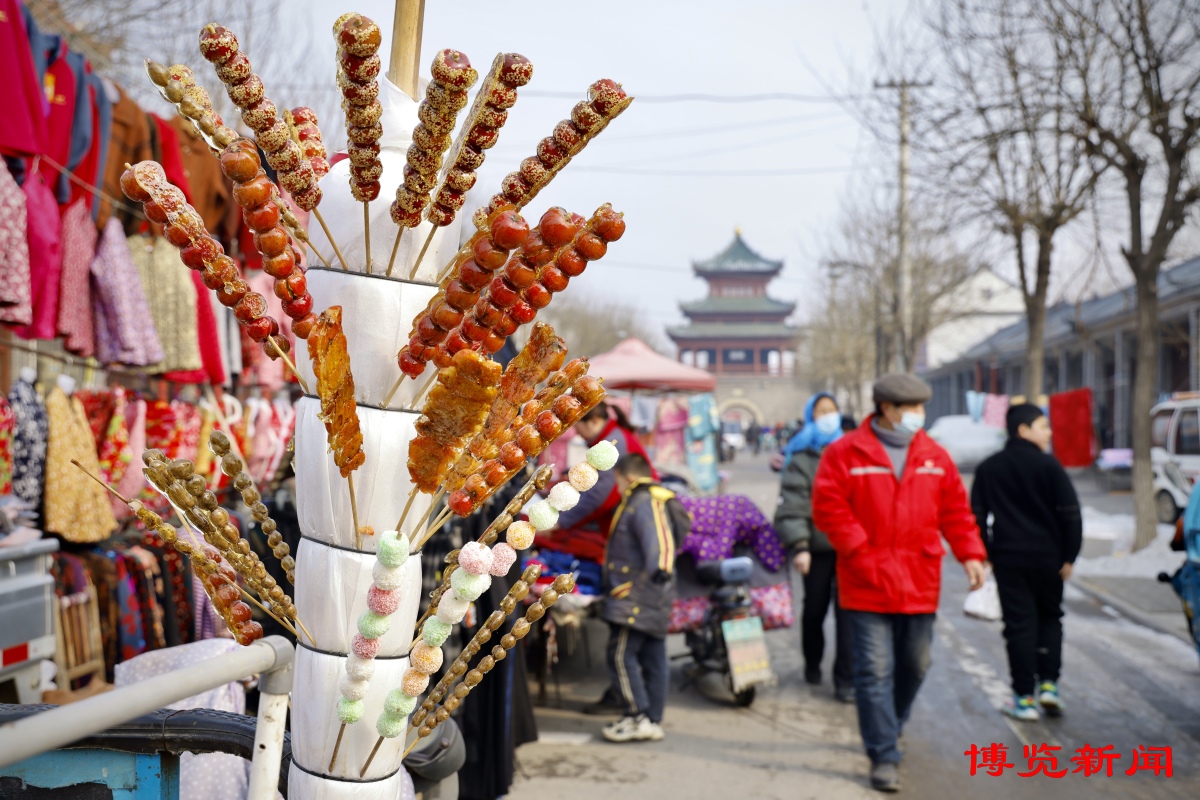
187	417
995	408
23	123
124	329
257	368
133	481
45	255
15	303
75	295
669	438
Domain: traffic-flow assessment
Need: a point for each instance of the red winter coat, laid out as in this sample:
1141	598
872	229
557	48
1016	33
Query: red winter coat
885	531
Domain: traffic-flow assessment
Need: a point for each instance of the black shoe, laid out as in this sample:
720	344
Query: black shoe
844	694
607	705
885	777
812	676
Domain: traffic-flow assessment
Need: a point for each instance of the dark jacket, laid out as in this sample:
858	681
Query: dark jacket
639	561
1033	505
793	514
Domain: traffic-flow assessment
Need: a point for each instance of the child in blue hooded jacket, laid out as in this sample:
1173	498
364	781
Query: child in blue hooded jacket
812	555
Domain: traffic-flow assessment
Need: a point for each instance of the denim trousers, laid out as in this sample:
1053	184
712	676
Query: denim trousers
891	657
638	668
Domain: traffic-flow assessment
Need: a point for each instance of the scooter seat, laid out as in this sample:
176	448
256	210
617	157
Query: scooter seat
728	570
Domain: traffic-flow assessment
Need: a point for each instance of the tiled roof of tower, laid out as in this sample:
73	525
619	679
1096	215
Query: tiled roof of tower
738	305
737	258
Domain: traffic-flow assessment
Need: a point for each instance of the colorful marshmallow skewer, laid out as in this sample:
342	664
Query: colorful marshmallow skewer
535	484
358	39
429	719
445	96
383	598
401	702
234	468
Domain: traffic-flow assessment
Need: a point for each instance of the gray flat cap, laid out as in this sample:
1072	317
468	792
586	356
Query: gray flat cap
901	388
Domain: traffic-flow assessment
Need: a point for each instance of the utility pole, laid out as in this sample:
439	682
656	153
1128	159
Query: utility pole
903	268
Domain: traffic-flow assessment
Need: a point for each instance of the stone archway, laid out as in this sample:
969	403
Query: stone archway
745	405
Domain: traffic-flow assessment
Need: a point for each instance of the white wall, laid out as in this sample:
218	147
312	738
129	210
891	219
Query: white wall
983	305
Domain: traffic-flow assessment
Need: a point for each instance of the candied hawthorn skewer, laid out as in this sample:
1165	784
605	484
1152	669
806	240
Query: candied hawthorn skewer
358	39
164	203
543	354
445	96
220	47
207	566
606	101
497	234
480	132
536	428
303	123
177	85
233	467
339	411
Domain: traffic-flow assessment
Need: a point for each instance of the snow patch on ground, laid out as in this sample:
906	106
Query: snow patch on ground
1119	528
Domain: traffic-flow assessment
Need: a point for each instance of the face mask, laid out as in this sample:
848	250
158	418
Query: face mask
828	423
912	421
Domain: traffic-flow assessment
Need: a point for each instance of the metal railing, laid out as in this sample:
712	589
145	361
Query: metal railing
271	657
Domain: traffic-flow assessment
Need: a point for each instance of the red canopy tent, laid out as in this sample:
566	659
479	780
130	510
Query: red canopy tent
632	365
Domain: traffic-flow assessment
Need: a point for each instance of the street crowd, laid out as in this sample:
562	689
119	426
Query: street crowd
863	511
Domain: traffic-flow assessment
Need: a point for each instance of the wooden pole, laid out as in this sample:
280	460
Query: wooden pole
395	249
404	67
337	746
354	511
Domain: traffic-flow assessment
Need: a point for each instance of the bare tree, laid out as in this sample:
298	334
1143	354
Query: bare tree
1134	88
597	324
1002	137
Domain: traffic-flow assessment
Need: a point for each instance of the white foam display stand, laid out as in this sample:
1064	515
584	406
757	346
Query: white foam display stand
333	576
381	312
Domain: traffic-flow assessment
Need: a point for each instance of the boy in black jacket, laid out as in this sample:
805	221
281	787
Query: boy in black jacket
639	562
1033	540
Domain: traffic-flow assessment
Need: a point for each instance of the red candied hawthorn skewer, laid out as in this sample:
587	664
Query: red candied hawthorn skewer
606	101
535	430
254	192
146	183
502	231
556	251
308	136
358	39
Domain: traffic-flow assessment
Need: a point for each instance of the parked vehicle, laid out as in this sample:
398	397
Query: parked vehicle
730	642
968	442
1175	439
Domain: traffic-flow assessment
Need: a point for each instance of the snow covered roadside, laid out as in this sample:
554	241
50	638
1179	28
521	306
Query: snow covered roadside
1145	563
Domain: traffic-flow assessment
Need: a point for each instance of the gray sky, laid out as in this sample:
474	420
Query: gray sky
685	173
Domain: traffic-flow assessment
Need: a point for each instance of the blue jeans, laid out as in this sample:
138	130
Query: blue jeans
891	657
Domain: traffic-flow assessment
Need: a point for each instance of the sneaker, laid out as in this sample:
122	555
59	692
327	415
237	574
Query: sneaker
656	732
632	729
1023	708
885	777
1050	700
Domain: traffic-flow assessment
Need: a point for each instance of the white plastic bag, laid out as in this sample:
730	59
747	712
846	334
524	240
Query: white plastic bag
984	602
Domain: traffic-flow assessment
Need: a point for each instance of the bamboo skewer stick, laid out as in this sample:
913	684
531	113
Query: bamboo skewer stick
395	249
367	232
354	511
337	746
329	236
404	514
419	397
395	388
432	506
291	364
375	750
412	274
432	529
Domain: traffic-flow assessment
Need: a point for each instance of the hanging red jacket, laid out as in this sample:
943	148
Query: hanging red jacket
886	531
23	123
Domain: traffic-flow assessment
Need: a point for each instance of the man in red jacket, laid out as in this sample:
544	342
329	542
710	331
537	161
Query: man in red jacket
882	494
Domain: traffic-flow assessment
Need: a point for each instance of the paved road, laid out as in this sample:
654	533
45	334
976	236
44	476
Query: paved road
1125	686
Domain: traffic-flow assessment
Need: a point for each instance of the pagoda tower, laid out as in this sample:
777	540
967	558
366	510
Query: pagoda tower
737	330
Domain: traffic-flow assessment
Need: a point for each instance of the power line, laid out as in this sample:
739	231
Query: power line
765	97
717	173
